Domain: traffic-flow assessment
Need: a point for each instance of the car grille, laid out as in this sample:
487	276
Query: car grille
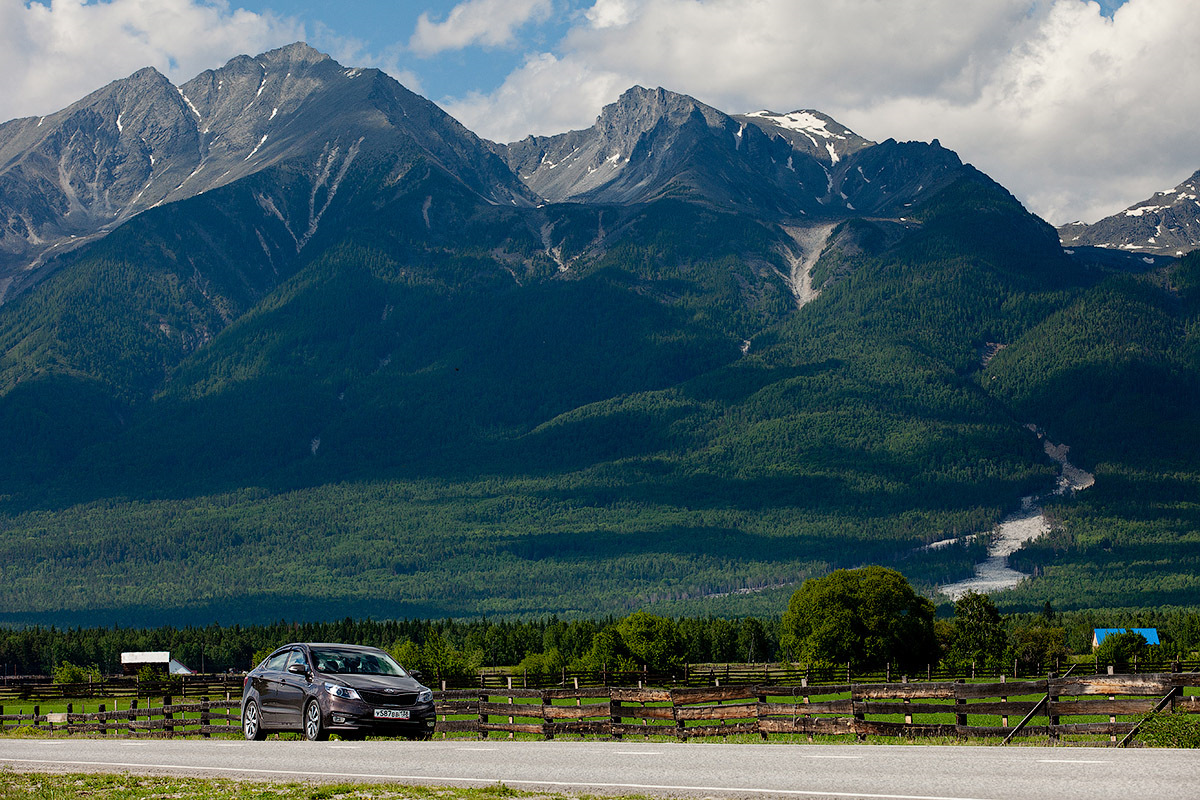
384	699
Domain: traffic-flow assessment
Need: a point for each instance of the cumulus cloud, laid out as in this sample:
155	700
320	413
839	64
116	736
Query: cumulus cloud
53	54
487	22
1080	114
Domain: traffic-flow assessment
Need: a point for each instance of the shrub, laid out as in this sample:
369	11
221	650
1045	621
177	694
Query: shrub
1170	729
66	672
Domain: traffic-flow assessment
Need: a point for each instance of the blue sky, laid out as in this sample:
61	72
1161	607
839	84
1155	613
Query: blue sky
1080	108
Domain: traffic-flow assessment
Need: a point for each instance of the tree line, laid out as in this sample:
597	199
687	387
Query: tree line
868	617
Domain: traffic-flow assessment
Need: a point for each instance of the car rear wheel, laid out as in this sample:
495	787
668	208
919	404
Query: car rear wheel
314	728
252	723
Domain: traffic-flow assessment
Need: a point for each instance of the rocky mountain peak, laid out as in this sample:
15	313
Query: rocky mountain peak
1165	224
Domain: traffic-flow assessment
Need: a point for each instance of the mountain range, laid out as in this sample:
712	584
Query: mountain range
288	340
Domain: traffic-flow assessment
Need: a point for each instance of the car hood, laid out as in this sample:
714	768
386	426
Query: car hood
378	683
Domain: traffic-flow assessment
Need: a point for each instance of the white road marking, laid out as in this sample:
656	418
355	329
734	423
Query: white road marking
478	749
1069	761
838	757
486	781
135	744
637	753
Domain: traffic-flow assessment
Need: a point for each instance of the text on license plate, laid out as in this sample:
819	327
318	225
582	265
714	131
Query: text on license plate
390	713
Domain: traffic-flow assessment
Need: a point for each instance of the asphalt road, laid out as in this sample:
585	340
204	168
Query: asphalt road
901	772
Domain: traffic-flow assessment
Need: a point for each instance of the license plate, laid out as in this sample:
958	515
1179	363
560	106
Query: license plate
390	713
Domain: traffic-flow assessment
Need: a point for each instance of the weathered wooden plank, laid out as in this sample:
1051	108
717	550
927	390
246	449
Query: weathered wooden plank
984	691
818	690
1082	707
625	729
580	712
1153	685
641	695
880	707
733	711
519	694
505	727
511	710
220	729
647	712
456	707
593	728
805	709
713	694
456	726
1017	708
783	725
903	691
456	694
832	726
582	693
716	730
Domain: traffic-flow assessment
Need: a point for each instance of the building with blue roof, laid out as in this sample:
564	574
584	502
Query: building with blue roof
1099	634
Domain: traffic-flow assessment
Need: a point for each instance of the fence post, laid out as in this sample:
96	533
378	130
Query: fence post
103	722
511	719
483	717
168	716
133	704
205	718
1004	699
960	719
37	712
614	709
1051	719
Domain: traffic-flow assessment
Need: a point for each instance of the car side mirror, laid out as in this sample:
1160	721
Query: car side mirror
416	674
298	669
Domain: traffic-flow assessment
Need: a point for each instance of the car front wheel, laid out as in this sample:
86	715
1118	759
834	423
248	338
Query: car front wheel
314	728
252	724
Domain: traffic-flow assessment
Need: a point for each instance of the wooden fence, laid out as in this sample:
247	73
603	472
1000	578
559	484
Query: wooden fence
120	686
201	717
1094	707
1111	706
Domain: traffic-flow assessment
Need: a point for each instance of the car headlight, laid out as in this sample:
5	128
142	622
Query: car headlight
344	692
426	696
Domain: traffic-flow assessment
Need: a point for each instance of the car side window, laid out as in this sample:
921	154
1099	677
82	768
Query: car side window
297	657
278	662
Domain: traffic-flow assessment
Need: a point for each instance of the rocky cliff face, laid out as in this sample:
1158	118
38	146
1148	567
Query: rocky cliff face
71	177
652	144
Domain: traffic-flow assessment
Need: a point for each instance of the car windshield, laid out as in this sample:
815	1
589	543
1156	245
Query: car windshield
355	662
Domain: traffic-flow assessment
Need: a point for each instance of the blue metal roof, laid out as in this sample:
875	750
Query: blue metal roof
1149	634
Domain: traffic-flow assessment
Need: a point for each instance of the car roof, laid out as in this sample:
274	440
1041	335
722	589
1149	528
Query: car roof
340	645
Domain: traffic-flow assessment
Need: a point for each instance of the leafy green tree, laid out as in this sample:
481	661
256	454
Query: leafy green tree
652	641
978	635
1037	647
868	617
66	672
1120	649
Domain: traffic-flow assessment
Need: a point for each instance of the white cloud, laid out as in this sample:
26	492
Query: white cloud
487	22
52	55
1079	114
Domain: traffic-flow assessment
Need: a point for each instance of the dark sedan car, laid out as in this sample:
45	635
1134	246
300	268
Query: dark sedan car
319	689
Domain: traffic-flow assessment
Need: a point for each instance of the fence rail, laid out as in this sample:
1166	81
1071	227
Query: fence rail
1072	706
28	688
120	686
202	717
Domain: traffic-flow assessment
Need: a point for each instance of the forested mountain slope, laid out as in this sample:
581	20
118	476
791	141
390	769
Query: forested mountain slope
447	398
